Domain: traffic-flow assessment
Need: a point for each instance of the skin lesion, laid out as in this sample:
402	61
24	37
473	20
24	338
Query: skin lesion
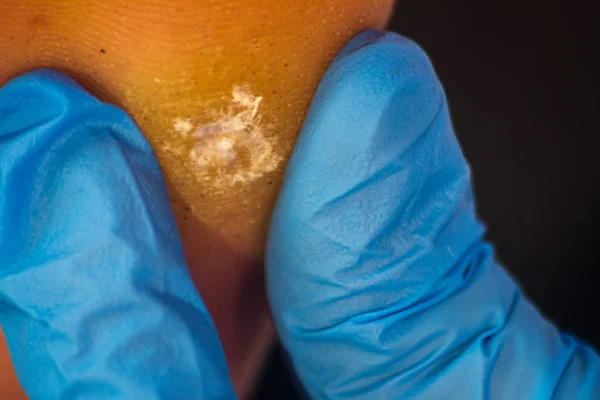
228	145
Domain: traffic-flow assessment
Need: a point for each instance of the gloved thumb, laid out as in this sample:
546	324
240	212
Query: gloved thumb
95	297
380	284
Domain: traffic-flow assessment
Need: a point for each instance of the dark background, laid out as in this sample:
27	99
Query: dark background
523	91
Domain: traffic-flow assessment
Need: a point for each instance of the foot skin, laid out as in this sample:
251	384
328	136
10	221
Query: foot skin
220	89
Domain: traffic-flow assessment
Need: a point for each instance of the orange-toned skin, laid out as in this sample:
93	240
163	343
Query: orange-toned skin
174	66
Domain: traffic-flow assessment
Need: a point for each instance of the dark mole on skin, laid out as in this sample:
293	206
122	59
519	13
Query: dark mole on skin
102	51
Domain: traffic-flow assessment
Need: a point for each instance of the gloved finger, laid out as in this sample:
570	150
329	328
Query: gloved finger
95	297
379	281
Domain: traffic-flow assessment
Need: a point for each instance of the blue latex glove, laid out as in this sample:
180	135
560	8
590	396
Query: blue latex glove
95	299
379	279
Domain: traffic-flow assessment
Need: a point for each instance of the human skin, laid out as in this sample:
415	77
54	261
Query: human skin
220	89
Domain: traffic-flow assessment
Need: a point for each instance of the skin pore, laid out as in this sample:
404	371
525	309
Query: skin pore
220	89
